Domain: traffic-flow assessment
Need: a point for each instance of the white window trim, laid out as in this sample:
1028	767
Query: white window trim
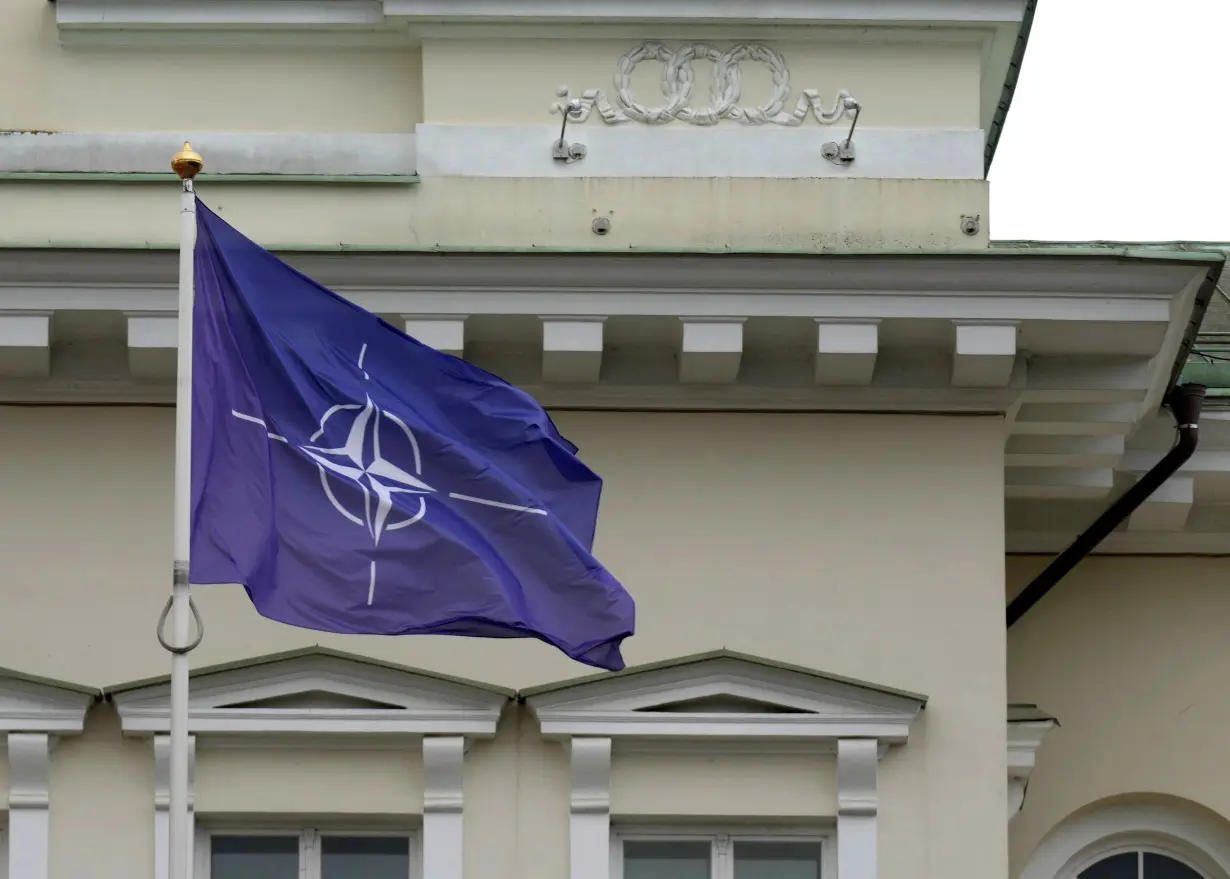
309	842
1172	830
717	832
248	702
593	715
34	713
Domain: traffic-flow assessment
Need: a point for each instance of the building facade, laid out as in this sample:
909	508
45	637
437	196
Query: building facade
742	253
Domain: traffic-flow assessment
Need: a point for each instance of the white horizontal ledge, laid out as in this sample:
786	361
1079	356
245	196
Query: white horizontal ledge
821	303
766	152
292	155
376	722
112	14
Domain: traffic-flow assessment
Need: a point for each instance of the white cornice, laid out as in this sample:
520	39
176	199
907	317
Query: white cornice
1030	275
794	11
723	697
340	14
700	301
30	705
360	699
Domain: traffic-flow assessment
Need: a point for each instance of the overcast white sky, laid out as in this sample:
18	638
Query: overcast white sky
1118	128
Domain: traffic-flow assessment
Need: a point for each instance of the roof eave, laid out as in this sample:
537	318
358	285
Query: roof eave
1010	81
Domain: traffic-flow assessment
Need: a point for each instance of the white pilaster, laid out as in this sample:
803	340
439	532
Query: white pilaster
857	805
29	805
444	332
162	802
443	801
589	802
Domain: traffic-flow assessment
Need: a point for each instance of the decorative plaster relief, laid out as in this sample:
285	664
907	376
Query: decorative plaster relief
679	84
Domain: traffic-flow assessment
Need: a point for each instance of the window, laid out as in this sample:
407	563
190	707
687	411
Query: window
734	855
1139	864
306	854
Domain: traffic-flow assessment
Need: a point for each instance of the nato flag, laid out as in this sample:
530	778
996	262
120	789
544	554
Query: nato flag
357	481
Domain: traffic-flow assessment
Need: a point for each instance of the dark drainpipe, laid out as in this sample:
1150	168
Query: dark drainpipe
1185	402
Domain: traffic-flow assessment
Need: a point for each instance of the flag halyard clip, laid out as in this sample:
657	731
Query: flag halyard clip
181	572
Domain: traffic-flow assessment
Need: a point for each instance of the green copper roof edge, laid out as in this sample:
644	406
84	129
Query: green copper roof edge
722	653
1104	244
22	677
1010	81
141	177
305	653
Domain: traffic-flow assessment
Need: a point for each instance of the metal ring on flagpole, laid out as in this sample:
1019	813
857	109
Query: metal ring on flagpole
196	618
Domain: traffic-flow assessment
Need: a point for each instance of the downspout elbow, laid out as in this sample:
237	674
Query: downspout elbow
1185	402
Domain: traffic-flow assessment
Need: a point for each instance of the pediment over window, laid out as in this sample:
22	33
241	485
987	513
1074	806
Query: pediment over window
724	695
316	691
39	705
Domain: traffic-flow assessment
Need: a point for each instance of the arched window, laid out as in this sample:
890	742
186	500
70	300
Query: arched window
1135	841
1141	863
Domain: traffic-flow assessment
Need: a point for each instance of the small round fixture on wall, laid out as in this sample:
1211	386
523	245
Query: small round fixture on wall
971	224
601	225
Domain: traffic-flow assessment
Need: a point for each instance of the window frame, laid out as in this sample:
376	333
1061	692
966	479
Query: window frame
716	833
309	834
1122	844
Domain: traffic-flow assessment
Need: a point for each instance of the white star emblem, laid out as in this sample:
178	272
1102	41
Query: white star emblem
377	478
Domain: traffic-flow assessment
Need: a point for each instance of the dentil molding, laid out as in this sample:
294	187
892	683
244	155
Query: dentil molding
679	86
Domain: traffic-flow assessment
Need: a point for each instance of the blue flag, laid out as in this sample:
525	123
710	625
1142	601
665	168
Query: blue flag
354	480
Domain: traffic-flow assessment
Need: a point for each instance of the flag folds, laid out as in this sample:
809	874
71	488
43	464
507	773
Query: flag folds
354	480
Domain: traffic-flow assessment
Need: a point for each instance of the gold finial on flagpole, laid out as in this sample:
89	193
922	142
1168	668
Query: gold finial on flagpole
187	162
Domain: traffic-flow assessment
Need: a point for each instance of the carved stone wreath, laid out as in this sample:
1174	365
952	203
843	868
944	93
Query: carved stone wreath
679	85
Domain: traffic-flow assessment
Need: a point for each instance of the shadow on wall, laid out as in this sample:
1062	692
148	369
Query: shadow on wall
1168	828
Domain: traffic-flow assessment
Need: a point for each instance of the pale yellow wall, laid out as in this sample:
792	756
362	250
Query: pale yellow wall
901	85
280	779
53	87
796	537
744	785
102	803
811	214
1131	655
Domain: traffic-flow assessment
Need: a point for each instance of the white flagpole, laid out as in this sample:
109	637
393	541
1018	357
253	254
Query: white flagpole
182	611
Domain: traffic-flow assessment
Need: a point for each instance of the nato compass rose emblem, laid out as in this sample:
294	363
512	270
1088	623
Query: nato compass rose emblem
360	461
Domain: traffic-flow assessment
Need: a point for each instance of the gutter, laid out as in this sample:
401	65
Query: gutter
1185	403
